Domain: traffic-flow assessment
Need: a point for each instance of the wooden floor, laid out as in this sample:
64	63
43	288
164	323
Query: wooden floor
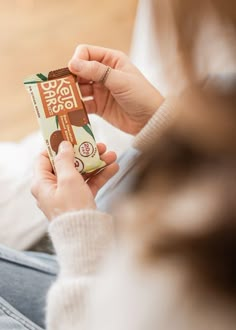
42	35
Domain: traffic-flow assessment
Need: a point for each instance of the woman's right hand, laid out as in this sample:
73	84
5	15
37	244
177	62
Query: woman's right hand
127	99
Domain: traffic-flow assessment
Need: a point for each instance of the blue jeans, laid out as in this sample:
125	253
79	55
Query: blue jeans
25	277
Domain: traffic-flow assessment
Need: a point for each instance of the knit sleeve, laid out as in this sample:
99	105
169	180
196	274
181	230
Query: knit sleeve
155	127
81	240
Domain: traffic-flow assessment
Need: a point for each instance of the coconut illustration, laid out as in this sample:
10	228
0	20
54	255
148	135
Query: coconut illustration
78	117
55	139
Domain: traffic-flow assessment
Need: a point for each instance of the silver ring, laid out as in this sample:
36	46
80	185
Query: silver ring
105	75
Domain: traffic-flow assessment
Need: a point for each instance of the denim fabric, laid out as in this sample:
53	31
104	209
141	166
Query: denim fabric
11	319
119	184
25	278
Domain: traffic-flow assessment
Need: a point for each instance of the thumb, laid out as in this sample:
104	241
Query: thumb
64	162
95	71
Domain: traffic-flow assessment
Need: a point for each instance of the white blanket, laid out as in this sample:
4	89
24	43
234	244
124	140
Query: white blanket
21	222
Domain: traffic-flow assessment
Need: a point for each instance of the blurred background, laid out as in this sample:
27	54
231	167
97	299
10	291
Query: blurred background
40	35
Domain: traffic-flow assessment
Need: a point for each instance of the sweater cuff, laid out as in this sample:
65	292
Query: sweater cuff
81	239
155	127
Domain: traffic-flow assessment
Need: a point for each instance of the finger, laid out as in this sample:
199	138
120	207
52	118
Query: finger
95	53
95	71
101	148
42	165
86	90
91	107
98	181
90	70
64	164
82	81
44	153
109	157
42	170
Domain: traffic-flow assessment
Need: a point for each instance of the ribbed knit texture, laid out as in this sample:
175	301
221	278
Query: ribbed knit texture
81	239
162	118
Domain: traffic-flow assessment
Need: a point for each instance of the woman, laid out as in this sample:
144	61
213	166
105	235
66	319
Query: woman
82	234
79	247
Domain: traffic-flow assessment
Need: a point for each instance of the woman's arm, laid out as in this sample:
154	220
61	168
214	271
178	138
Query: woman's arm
81	235
81	240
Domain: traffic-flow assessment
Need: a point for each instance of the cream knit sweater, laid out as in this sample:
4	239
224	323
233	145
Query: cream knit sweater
82	240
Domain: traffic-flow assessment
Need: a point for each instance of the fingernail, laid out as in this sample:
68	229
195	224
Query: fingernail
64	146
76	64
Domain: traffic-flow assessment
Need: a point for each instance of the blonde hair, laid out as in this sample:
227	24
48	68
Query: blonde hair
196	38
181	208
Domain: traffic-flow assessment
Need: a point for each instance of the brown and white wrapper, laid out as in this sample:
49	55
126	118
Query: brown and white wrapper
62	116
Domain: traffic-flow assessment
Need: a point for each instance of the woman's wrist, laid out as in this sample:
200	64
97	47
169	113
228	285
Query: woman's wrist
161	119
81	240
155	100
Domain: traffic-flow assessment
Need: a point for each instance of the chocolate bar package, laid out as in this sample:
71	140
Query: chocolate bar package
62	116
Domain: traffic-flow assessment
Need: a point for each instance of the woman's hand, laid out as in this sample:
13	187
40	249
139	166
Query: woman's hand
127	100
68	191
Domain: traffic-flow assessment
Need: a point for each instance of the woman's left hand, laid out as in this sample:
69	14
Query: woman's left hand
68	191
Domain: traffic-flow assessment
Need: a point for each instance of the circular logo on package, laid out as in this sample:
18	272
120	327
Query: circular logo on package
86	149
79	165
